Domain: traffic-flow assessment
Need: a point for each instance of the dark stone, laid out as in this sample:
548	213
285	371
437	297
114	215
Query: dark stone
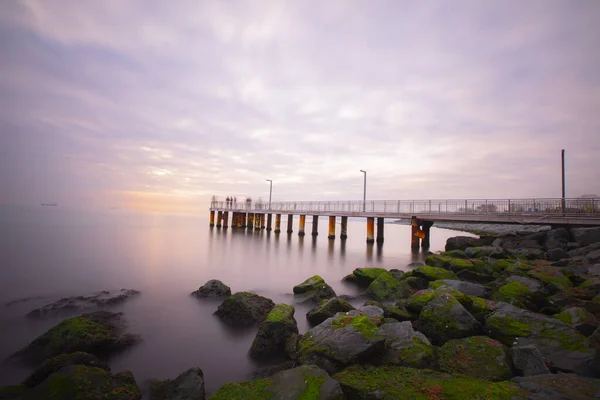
593	257
417	283
52	365
364	276
527	360
405	347
244	308
586	236
78	303
495	252
396	273
460	242
386	287
371	311
397	313
213	288
530	253
559	387
474	276
556	254
188	385
313	289
277	335
327	309
557	239
468	288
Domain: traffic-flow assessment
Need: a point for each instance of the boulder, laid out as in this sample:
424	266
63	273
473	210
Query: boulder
371	311
304	382
327	309
314	289
579	318
564	347
100	333
520	291
533	241
556	254
443	318
557	239
386	287
486	251
586	236
396	273
454	254
340	341
79	303
460	242
391	382
433	273
473	276
559	387
364	276
583	251
405	347
244	308
188	385
417	301
52	365
528	361
470	289
553	276
475	356
212	288
528	253
399	313
277	335
593	257
416	283
449	263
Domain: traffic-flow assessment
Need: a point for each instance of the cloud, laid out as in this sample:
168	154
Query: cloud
469	99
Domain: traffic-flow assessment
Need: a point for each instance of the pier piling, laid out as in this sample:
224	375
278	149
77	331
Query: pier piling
331	228
219	218
277	223
344	228
301	225
370	230
212	219
290	223
269	222
380	230
315	225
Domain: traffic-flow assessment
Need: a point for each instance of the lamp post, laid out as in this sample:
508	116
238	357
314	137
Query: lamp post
270	191
364	191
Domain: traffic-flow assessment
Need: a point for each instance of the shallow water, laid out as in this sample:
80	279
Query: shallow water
52	252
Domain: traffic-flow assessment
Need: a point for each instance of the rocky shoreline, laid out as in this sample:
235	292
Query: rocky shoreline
495	317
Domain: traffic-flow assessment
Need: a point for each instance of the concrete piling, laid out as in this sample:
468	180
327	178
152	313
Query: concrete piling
225	219
277	223
315	225
219	218
426	228
380	230
250	224
301	225
257	219
240	220
344	228
290	223
262	221
269	222
370	230
414	233
331	232
212	219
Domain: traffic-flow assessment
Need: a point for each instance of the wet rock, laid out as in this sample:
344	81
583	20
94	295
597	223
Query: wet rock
486	251
433	273
52	365
519	291
244	308
552	276
533	241
188	385
79	303
559	387
556	254
405	347
340	341
583	251
100	333
314	289
578	318
455	254
398	313
443	318
371	311
475	356
364	276
448	263
396	273
586	236
460	242
212	288
528	361
564	347
416	283
417	301
470	289
528	253
473	276
386	287
277	335
557	239
304	382
327	309
592	257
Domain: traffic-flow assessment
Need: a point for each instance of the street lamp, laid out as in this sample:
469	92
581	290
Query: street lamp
270	191
364	191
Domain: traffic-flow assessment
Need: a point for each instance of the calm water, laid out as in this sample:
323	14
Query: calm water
53	252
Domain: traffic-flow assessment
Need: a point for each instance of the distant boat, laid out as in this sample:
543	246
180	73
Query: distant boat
50	204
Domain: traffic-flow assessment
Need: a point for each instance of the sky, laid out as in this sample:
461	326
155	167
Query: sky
156	106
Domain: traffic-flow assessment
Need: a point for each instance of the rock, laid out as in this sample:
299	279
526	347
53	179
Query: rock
364	276
188	385
586	236
444	318
100	333
350	278
314	289
472	276
460	242
470	289
593	257
528	253
583	251
528	361
405	347
244	308
213	288
396	273
277	335
578	318
533	241
12	392
531	284
553	276
79	303
304	382
85	382
327	309
519	291
391	382
556	254
386	287
52	365
564	347
433	273
486	251
371	311
455	254
448	263
340	341
559	387
416	283
417	301
399	313
557	239
475	356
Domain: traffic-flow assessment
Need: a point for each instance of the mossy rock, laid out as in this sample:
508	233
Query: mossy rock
364	276
450	263
100	333
514	292
405	347
551	275
580	319
277	335
12	392
350	278
212	289
327	309
85	383
397	313
518	267
559	386
52	365
416	283
454	254
188	385
417	301
314	289
467	288
302	383
481	308
386	287
244	308
476	356
388	382
433	273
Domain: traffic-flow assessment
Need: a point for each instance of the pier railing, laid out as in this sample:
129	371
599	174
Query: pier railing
572	207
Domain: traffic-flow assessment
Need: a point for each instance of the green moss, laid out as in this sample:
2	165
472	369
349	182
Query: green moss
386	287
420	384
417	301
508	328
418	354
445	262
454	254
569	340
436	284
364	276
363	324
551	275
280	313
313	387
248	390
513	290
433	273
309	284
564	317
590	282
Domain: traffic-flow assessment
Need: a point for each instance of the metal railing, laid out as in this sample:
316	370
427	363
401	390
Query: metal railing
580	207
